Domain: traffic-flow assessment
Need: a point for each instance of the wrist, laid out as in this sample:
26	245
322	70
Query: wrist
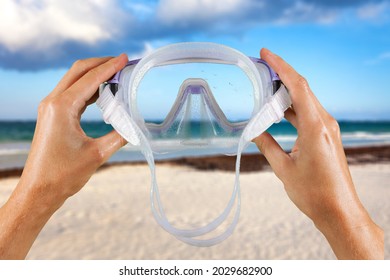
38	198
351	232
345	216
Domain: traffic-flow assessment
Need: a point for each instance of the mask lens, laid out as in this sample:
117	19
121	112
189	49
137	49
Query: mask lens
229	85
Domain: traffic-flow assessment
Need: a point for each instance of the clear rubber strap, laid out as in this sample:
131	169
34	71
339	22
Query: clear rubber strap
187	235
272	112
114	113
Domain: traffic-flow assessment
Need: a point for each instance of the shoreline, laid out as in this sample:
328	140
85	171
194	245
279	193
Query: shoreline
249	162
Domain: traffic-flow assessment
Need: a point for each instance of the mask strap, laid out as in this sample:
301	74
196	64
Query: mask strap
272	112
114	113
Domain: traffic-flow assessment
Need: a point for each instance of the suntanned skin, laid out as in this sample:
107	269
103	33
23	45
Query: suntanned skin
315	173
62	159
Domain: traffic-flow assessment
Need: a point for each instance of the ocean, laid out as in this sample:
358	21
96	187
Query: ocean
16	136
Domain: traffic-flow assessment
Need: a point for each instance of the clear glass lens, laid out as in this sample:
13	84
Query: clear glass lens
197	105
229	85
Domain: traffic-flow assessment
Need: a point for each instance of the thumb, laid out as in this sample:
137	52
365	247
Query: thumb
277	158
109	144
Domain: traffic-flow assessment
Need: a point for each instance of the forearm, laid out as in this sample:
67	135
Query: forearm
354	237
22	218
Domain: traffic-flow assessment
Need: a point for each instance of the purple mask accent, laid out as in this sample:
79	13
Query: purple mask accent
274	76
115	79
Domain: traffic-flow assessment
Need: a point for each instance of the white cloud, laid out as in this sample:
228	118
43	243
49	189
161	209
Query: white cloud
178	11
233	14
300	11
38	34
44	24
373	11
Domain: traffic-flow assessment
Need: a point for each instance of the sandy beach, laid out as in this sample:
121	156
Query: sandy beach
111	217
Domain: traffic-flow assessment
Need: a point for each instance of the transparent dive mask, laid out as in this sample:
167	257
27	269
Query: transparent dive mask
194	96
195	101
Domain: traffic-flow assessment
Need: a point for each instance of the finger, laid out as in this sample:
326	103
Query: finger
290	115
304	101
109	144
78	69
86	86
277	158
286	73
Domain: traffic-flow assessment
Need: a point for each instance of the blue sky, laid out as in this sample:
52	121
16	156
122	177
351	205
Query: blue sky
341	47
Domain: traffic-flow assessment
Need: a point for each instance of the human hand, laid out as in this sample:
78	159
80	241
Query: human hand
62	157
315	173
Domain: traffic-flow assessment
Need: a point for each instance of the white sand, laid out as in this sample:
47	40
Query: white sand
111	217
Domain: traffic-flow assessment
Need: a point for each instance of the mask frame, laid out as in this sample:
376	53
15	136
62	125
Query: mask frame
124	86
117	102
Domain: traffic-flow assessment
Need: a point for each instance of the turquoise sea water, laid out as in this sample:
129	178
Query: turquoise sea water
16	136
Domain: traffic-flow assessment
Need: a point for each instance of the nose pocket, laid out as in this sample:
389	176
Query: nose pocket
198	113
195	116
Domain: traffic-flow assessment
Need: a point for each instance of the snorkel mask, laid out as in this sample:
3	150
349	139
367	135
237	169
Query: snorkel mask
194	96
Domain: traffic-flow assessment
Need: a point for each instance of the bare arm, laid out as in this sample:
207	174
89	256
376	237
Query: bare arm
316	175
62	158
